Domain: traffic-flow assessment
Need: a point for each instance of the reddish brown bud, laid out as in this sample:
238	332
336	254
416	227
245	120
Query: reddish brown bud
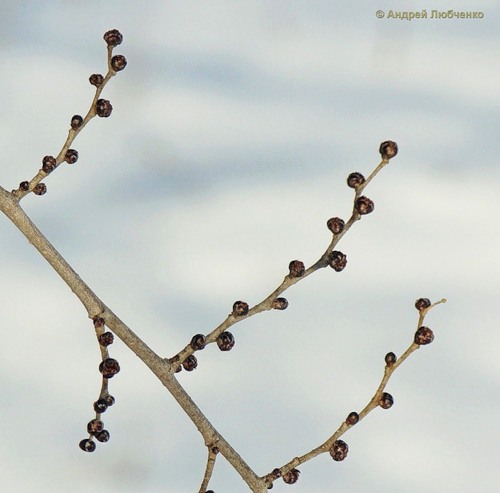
422	304
352	419
190	363
87	445
71	156
110	400
240	308
40	189
198	342
291	476
364	205
280	304
354	180
225	341
100	406
118	62
48	164
337	261
339	450
297	268
109	367
102	436
390	359
423	336
98	322
76	122
335	225
96	79
106	339
103	108
388	149
95	426
24	186
113	37
386	400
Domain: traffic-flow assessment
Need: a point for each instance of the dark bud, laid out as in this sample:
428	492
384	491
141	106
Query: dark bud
113	37
388	149
95	426
71	156
386	400
280	304
96	79
102	436
352	419
103	108
198	342
339	450
225	341
48	164
87	445
106	339
190	363
297	268
98	322
240	308
110	400
24	186
215	450
76	122
354	180
335	225
337	261
275	473
40	189
291	476
422	304
423	336
118	62
390	359
109	367
364	205
100	406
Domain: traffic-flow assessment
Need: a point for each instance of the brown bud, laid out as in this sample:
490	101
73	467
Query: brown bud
352	419
198	342
71	156
48	164
291	476
423	336
225	341
339	450
87	445
113	37
190	363
103	108
280	304
297	268
240	308
354	180
40	189
24	186
390	359
106	339
388	149
76	122
337	261
96	79
335	225
118	62
364	205
386	400
109	367
422	304
95	426
98	322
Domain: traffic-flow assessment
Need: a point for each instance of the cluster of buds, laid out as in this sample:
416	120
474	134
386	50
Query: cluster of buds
108	368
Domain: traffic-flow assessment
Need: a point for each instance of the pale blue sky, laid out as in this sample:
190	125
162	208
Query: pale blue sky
234	127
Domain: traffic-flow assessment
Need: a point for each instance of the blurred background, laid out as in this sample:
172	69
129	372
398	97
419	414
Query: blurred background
234	127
